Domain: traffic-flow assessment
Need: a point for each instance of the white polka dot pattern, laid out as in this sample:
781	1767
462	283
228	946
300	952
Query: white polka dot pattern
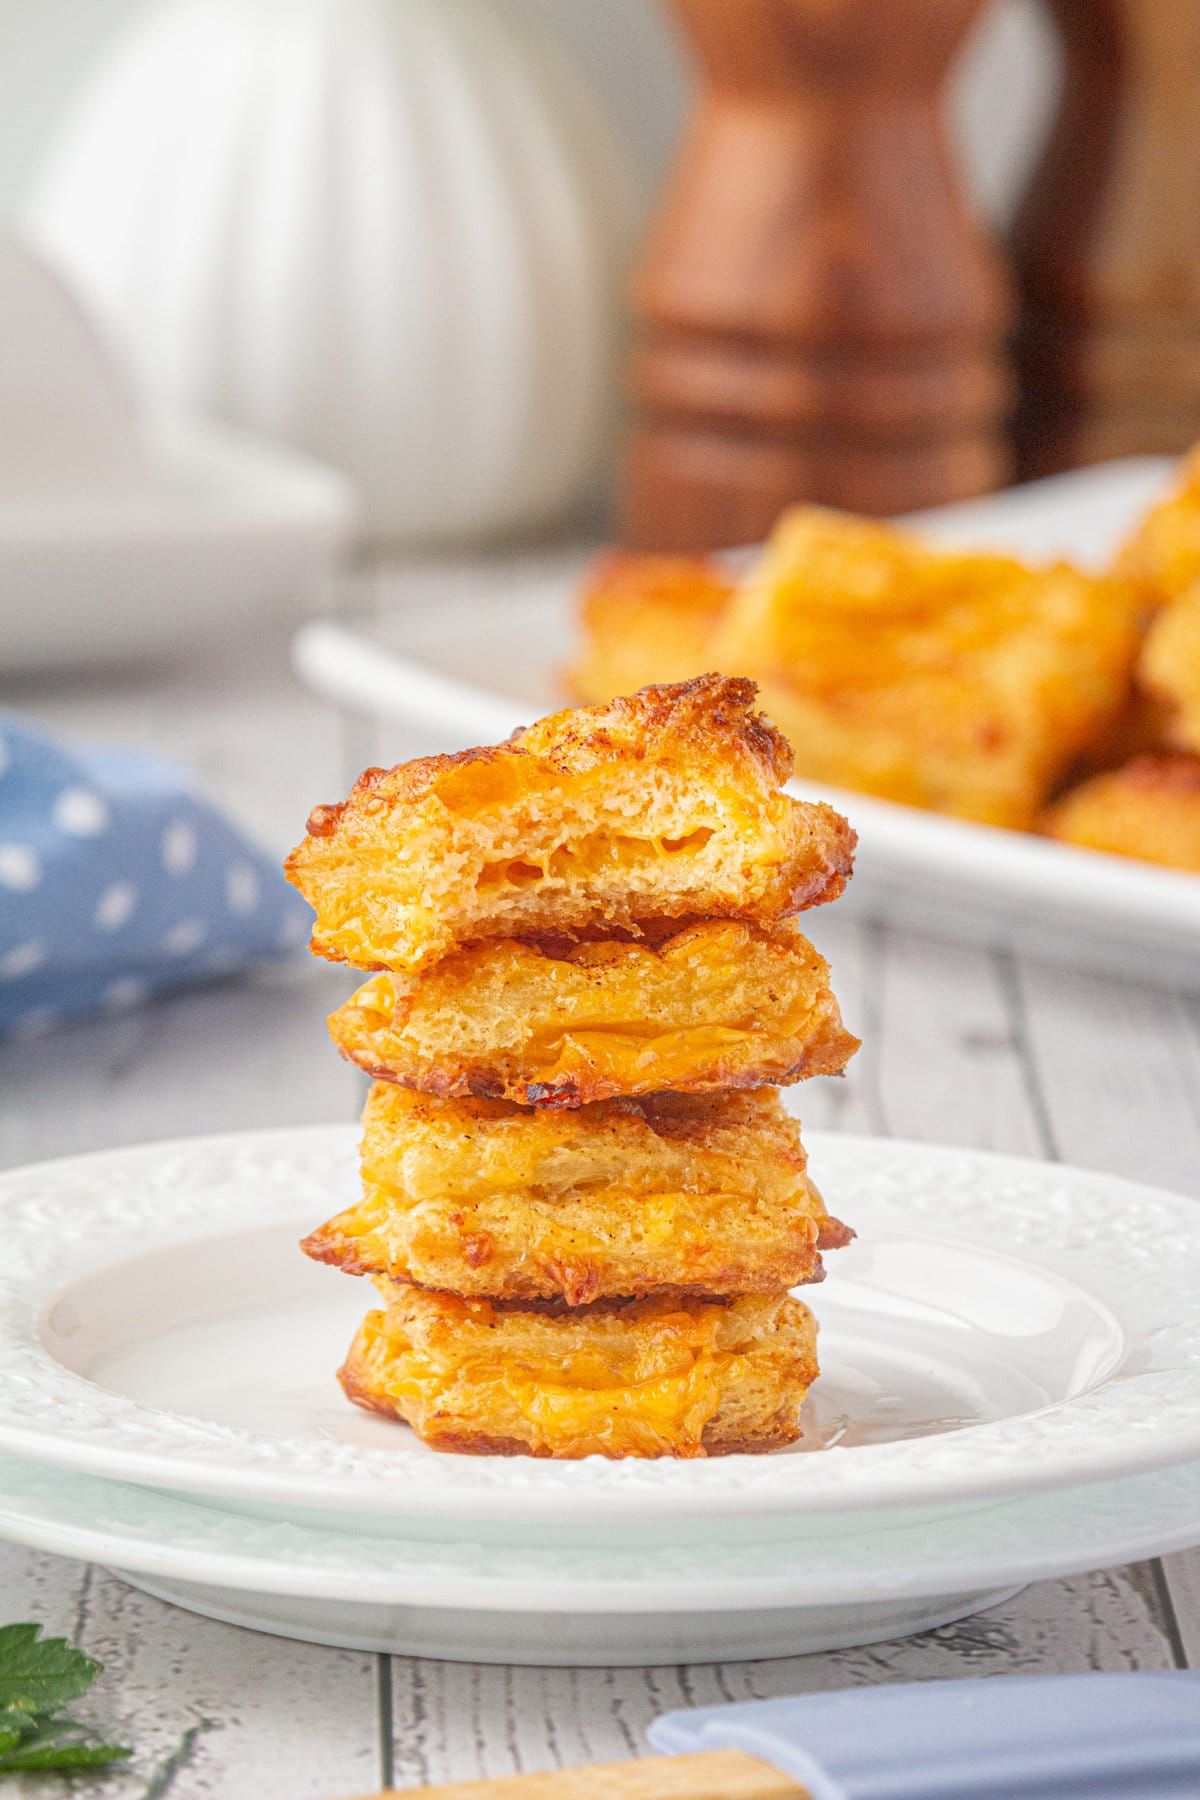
80	813
115	906
241	888
178	847
20	868
22	959
185	937
118	882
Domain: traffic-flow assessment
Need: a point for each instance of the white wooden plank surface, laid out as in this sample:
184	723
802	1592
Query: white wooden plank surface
1182	1575
225	1058
1118	1067
960	1046
209	1711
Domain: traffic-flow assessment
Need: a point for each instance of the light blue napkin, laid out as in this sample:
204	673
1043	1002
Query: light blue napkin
117	882
1012	1737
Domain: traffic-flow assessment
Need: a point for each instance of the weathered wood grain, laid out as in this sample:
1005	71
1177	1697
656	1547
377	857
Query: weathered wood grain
1181	1575
242	1054
711	1775
209	1711
1118	1068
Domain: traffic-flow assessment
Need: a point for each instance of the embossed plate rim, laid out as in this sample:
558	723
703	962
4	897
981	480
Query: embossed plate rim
1137	1244
1033	1538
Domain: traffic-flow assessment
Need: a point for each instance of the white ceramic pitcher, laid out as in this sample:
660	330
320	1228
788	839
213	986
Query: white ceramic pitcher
391	232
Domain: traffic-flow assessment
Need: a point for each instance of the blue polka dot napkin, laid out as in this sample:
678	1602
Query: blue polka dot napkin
117	881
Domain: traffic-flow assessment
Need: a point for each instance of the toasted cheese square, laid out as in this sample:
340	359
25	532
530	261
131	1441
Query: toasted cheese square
965	682
718	1005
664	805
646	619
1161	556
1169	669
619	1378
669	1194
1150	809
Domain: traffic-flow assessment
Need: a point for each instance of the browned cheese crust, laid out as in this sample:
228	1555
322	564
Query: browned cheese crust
664	805
719	1005
701	1195
963	682
623	1378
1150	809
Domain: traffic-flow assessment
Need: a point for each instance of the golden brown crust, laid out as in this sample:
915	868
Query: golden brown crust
642	1378
1150	810
717	1006
1169	669
711	717
984	679
1162	555
666	1194
662	805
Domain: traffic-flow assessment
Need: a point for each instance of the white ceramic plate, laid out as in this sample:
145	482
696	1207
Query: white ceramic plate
469	673
1002	1326
484	1602
226	530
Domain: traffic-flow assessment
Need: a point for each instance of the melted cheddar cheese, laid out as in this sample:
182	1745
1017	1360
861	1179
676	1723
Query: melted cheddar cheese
641	1378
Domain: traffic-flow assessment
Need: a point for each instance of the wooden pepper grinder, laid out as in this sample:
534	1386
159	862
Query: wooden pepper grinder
1107	242
820	317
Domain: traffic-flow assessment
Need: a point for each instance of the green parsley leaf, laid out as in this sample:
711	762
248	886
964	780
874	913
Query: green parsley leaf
72	1755
14	1727
40	1674
37	1675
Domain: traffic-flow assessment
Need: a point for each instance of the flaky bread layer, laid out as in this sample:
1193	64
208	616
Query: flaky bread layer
667	1194
719	1005
1150	809
664	805
580	1250
624	1378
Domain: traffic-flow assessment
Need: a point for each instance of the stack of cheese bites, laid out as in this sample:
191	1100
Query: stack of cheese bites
583	1202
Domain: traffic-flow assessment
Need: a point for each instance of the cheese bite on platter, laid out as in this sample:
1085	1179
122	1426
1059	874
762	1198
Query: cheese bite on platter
961	681
646	618
1150	809
1169	669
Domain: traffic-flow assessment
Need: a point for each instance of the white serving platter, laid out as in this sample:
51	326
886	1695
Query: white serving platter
483	1602
463	671
1001	1327
224	531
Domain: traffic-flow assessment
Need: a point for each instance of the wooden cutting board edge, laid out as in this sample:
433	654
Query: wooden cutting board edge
711	1775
